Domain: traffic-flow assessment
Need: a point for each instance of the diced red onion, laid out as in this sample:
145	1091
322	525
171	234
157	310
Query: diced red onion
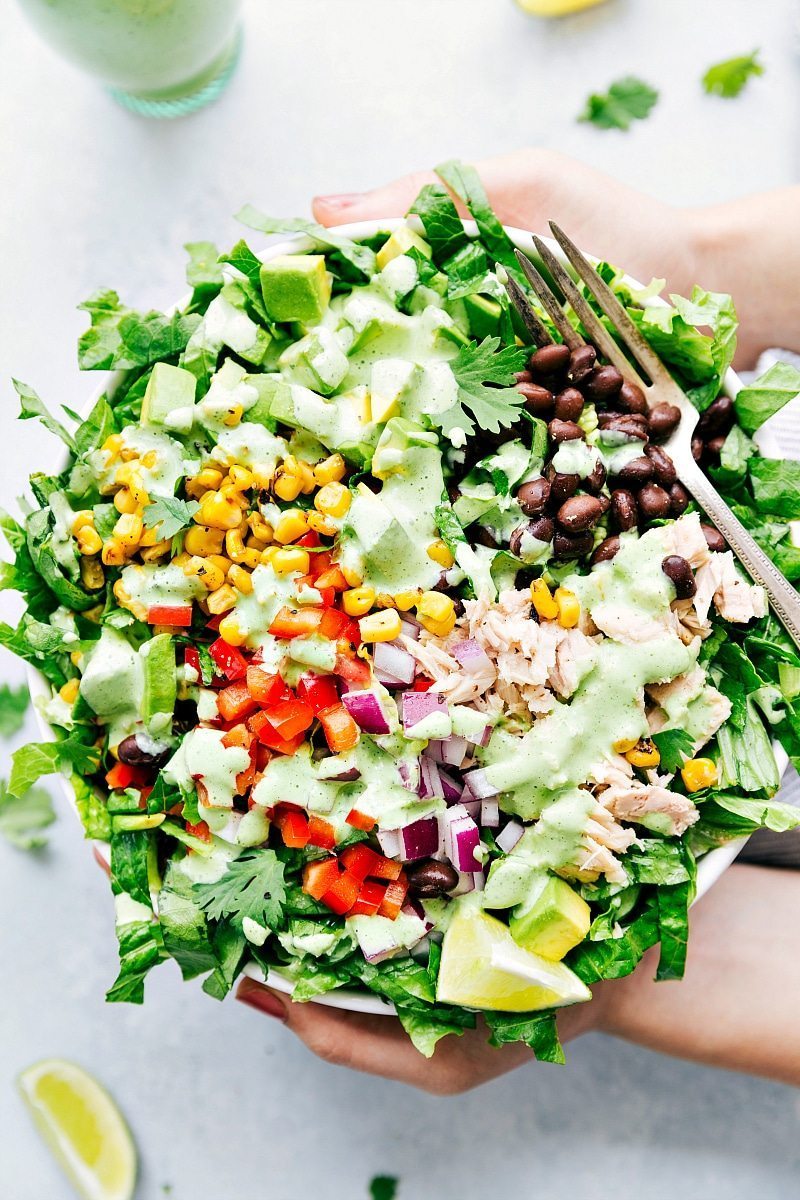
508	837
466	883
420	839
348	776
490	814
419	705
479	880
410	626
479	785
430	783
473	807
450	789
365	709
449	750
461	838
389	842
472	656
414	908
409	773
391	659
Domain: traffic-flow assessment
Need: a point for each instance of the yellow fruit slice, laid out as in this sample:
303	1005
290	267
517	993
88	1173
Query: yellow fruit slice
83	1128
555	8
483	967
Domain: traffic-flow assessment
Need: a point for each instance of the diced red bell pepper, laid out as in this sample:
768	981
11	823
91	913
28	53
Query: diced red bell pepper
360	820
319	877
264	687
260	725
320	562
230	661
332	577
421	684
393	899
321	833
170	614
341	731
351	668
319	691
296	622
199	829
192	659
359	860
290	718
238	735
122	776
370	898
387	868
342	894
235	702
293	827
333	624
309	541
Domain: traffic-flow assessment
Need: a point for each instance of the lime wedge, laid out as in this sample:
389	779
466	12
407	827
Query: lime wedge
483	967
83	1128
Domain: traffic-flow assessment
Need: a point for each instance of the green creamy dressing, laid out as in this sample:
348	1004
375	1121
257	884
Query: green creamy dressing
150	585
202	756
112	683
61	540
229	390
249	445
559	752
385	537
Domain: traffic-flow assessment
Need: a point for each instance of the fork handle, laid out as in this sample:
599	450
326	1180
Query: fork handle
784	598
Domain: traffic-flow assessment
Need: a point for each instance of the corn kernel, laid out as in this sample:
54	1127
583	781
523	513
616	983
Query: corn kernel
95	615
234	496
241	478
406	600
123	599
155	552
112	445
128	473
569	609
543	602
699	773
434	606
233	416
201	540
307	480
217	511
644	754
206	571
286	486
291	558
440	554
92	576
441	628
262	478
254	543
124	501
332	500
240	579
623	745
76	657
150	460
128	454
322	525
89	540
114	553
230	631
220	561
260	528
352	578
128	530
358	601
149	537
83	520
69	691
292	525
380	626
207	480
180	560
222	600
330	470
384	600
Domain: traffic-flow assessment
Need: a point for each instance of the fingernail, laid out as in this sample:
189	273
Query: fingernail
262	998
343	200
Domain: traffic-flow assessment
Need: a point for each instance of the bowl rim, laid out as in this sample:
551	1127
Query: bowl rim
710	867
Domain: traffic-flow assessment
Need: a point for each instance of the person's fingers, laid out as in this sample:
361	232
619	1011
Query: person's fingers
379	1045
392	200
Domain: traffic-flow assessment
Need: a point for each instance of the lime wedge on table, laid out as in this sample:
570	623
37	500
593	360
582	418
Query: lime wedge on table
483	967
83	1127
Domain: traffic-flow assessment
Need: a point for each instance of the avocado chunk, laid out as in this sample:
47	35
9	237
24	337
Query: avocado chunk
317	361
160	683
296	287
390	380
401	241
557	920
484	316
169	398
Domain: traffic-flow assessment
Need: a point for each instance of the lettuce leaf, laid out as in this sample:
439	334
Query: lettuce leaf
358	256
538	1030
465	181
441	222
121	338
765	396
32	406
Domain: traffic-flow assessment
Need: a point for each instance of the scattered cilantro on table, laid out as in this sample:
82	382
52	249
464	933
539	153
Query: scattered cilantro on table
22	818
13	706
627	100
383	1187
730	77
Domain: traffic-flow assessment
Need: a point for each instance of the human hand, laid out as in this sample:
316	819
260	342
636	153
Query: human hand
379	1045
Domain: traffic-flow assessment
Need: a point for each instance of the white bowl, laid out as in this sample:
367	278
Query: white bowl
710	867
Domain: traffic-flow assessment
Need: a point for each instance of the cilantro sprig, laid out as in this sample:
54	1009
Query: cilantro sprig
253	886
627	100
23	818
730	77
484	374
171	513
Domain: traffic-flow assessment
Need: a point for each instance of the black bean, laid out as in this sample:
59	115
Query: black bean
129	751
602	383
606	550
717	418
630	424
549	360
714	445
663	419
624	511
678	500
697	448
678	570
561	486
565	546
636	472
523	377
714	539
542	529
484	538
568	405
663	466
596	480
538	400
581	362
653	502
579	513
631	398
430	878
565	431
532	497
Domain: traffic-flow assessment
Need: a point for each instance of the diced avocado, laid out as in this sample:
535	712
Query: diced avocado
317	361
401	241
334	421
169	398
453	334
395	441
557	920
160	681
296	287
390	379
484	316
267	387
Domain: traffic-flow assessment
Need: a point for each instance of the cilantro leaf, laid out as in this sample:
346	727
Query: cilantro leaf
13	706
252	886
31	405
627	100
121	337
171	514
383	1187
765	396
729	77
22	818
475	366
674	746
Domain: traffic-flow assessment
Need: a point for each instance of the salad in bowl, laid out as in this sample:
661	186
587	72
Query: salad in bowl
384	650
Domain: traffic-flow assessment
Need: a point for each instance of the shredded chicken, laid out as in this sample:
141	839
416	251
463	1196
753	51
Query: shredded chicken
681	690
634	801
617	621
686	538
735	599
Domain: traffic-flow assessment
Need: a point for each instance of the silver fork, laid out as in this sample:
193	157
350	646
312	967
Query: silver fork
659	387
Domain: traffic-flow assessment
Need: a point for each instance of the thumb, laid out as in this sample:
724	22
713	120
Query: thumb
392	200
